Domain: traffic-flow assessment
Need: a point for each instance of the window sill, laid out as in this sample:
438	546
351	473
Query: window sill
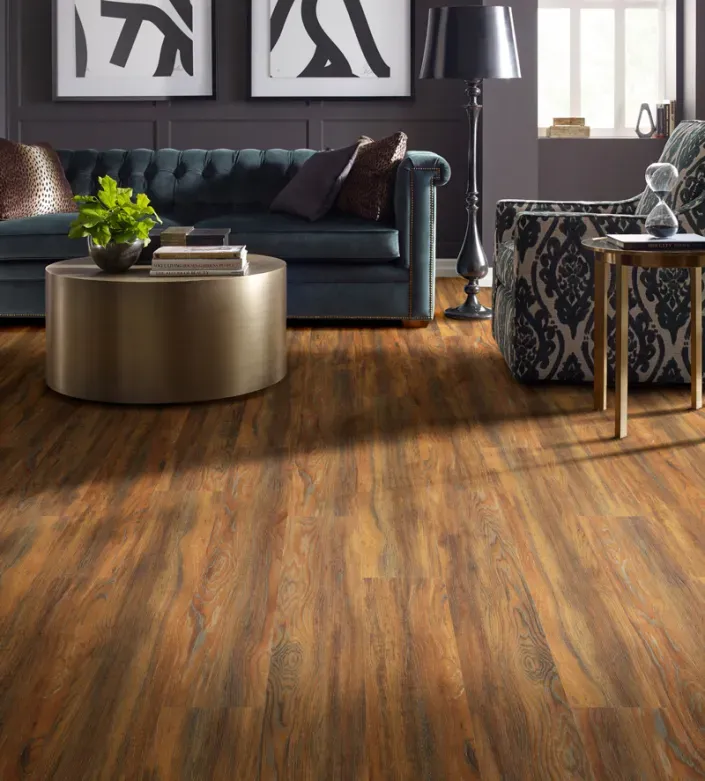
655	141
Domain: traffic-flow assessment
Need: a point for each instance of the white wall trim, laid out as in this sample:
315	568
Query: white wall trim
445	267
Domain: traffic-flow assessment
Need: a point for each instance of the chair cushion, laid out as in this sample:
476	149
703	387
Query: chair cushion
336	237
504	264
43	238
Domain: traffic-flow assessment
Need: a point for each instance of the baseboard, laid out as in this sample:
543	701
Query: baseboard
445	267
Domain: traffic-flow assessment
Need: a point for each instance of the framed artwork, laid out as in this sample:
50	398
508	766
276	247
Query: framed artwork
331	49
133	49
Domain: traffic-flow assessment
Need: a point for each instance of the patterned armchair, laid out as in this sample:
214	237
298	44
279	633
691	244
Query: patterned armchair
544	284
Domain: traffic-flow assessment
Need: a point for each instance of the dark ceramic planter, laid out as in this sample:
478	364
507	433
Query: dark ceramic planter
115	258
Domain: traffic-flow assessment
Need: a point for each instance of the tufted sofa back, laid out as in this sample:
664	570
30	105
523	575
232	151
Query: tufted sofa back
189	185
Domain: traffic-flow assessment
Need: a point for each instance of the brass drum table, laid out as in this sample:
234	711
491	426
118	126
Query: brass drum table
607	254
134	339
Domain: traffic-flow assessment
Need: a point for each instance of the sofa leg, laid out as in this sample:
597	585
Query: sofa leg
416	323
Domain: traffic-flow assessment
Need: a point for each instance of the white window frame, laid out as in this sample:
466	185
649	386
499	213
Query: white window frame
624	126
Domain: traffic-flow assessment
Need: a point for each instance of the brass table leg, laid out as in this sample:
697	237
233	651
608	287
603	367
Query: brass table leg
622	344
600	335
696	338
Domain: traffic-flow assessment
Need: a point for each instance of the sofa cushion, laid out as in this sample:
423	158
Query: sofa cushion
32	181
312	192
335	237
504	264
368	191
43	238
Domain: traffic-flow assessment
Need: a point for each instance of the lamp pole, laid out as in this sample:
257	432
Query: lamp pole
472	262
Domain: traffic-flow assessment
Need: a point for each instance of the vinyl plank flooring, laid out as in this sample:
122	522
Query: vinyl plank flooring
397	563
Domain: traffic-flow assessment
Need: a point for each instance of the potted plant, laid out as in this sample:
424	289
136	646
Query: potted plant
116	224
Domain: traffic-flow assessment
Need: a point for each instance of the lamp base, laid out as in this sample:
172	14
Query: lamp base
472	309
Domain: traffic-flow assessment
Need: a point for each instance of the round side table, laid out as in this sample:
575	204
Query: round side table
606	254
135	339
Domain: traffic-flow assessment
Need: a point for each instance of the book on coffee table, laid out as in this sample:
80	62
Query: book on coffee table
183	236
640	242
192	237
199	261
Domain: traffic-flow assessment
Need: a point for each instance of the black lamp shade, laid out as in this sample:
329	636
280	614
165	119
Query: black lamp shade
471	42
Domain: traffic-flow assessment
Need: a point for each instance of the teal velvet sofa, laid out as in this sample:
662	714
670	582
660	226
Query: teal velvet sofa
338	267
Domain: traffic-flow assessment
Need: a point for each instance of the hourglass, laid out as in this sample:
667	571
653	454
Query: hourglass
661	178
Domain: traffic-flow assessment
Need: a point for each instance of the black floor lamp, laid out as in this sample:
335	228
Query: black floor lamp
471	43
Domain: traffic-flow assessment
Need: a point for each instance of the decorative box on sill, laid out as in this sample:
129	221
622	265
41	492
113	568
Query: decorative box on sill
568	127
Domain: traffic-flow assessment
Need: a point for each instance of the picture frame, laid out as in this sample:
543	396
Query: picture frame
366	54
143	50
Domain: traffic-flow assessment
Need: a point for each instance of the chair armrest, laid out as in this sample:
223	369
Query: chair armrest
564	232
508	211
417	178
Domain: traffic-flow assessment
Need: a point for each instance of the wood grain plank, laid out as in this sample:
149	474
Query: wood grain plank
418	721
518	703
219	744
315	705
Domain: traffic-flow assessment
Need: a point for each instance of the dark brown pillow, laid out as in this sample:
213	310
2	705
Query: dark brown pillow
312	192
369	189
32	182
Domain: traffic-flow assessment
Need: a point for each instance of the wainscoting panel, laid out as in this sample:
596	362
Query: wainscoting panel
239	134
82	133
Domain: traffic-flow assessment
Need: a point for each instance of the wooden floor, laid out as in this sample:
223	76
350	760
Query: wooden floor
396	564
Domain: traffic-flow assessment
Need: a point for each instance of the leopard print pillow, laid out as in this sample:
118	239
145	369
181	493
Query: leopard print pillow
32	182
368	191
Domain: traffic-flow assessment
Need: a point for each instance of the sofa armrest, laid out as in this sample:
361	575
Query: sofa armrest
508	211
417	177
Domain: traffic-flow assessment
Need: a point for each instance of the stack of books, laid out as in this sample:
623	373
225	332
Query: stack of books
182	261
665	119
568	127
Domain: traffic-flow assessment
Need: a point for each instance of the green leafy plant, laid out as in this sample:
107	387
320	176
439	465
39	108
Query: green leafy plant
113	216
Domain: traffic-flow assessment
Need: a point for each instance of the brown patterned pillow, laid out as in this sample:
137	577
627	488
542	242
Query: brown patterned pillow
32	182
369	189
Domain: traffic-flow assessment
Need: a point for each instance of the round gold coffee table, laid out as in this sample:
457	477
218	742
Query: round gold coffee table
607	254
134	339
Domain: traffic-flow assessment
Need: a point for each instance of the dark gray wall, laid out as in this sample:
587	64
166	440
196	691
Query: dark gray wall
510	155
3	68
434	121
594	169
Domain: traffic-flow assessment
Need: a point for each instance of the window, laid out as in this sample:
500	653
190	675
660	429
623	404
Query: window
601	59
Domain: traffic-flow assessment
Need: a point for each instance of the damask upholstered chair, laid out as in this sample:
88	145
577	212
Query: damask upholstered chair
544	285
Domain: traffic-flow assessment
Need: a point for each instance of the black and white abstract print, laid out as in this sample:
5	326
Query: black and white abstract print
331	48
320	38
134	48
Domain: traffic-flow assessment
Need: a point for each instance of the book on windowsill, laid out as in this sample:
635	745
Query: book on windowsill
685	242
